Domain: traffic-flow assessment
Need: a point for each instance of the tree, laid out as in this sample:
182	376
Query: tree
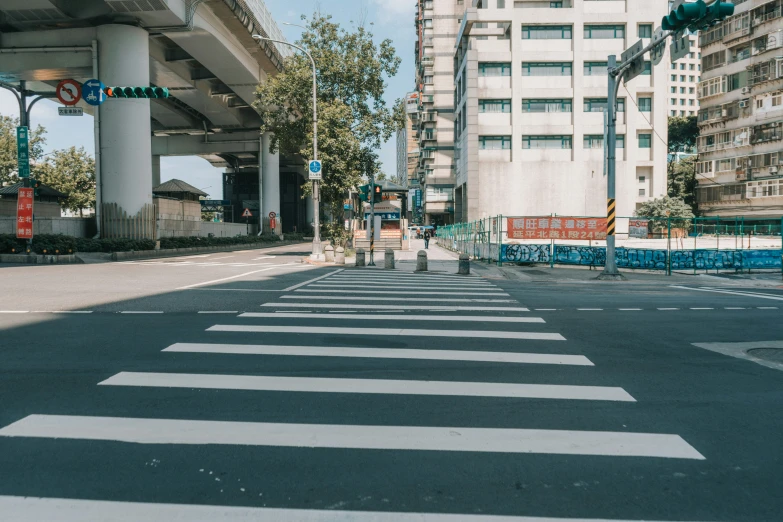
682	180
72	172
353	119
8	160
683	132
665	209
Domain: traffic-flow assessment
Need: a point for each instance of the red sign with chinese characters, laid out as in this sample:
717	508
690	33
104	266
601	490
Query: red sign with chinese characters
24	214
556	228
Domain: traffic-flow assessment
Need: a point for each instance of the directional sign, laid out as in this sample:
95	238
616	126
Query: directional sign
637	66
24	213
656	53
681	45
23	152
247	213
215	203
69	92
93	92
315	169
70	111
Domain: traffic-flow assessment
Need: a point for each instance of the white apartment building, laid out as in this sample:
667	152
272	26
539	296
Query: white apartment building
408	152
437	22
741	116
684	78
530	94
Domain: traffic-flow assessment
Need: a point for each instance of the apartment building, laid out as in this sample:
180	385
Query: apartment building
437	22
408	152
684	78
741	115
530	92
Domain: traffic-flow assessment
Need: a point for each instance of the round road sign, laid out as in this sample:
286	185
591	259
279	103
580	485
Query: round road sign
272	215
69	92
315	166
92	92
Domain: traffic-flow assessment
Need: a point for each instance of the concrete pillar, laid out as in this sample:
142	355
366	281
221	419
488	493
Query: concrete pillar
125	135
339	256
155	171
464	265
329	253
270	168
421	261
360	257
388	259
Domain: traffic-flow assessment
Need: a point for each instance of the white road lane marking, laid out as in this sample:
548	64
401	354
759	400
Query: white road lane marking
733	292
312	280
370	286
224	257
698	308
230	278
665	309
141	312
14	311
397	300
491	440
382	353
369	386
767	307
391	292
734	308
375	317
590	309
546	309
219	312
630	309
71	510
405	307
480	334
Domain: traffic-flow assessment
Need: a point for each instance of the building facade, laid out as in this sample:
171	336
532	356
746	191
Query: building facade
437	22
684	78
530	95
741	115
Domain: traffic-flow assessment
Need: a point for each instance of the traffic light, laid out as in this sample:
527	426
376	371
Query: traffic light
695	15
364	193
377	194
136	92
35	184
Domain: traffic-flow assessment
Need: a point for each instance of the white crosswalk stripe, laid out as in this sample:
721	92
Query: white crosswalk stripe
387	317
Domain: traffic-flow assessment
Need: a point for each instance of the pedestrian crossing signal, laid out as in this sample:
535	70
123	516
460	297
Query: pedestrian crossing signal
377	194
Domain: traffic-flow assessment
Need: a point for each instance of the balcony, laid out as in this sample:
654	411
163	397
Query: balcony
766	133
769	188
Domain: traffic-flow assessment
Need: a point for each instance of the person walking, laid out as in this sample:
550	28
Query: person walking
427	239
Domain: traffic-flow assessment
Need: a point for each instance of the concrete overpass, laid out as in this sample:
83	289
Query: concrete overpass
202	50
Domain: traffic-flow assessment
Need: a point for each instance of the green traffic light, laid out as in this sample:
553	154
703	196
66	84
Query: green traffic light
683	16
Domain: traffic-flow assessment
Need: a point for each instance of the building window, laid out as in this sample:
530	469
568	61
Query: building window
673	90
546	32
494	105
673	113
494	142
674	77
690	102
647	71
682	77
691	90
682	66
642	192
547	105
428	80
428	23
691	78
494	69
645	141
682	101
604	31
674	101
595	68
674	66
642	179
682	113
501	4
691	67
596	141
645	104
776	100
546	142
599	104
556	5
645	30
546	69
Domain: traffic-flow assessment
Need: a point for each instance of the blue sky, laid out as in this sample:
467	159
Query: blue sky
389	19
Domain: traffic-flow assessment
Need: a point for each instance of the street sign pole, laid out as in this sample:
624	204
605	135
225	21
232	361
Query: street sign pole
372	220
610	268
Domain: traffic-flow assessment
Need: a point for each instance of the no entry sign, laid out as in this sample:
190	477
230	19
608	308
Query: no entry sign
69	92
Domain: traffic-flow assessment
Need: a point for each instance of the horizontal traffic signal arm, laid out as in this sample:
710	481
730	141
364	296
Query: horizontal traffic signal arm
136	92
696	15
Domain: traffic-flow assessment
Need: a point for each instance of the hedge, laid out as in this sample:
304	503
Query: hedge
60	244
195	241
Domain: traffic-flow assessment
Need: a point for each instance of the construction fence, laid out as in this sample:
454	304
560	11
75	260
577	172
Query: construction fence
735	244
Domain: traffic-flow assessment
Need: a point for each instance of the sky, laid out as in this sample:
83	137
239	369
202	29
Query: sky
389	19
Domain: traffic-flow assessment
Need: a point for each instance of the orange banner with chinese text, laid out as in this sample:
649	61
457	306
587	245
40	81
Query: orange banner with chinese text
556	228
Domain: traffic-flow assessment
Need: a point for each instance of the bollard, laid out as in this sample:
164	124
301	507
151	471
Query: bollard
421	261
464	265
359	257
339	256
329	253
388	259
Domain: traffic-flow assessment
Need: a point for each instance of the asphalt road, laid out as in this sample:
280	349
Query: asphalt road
255	387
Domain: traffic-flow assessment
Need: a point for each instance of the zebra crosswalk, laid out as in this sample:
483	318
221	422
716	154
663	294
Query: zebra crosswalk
341	349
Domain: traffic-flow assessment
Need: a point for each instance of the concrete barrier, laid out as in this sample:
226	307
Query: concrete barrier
388	259
360	257
339	256
329	253
421	261
464	265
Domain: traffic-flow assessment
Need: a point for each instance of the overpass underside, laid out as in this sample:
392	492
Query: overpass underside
203	52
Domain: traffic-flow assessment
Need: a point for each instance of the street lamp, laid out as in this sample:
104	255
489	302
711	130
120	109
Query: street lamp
316	197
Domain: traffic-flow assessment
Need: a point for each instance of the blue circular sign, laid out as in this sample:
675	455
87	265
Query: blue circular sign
92	92
315	166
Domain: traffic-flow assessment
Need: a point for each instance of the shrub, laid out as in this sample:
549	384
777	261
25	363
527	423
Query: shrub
54	244
195	241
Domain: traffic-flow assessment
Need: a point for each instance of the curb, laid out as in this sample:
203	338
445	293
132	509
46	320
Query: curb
34	259
174	252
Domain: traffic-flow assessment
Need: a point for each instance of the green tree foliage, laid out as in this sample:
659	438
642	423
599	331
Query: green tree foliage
682	180
353	118
683	132
72	172
665	209
8	163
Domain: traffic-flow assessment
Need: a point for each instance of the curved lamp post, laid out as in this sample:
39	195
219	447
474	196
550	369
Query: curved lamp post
316	195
